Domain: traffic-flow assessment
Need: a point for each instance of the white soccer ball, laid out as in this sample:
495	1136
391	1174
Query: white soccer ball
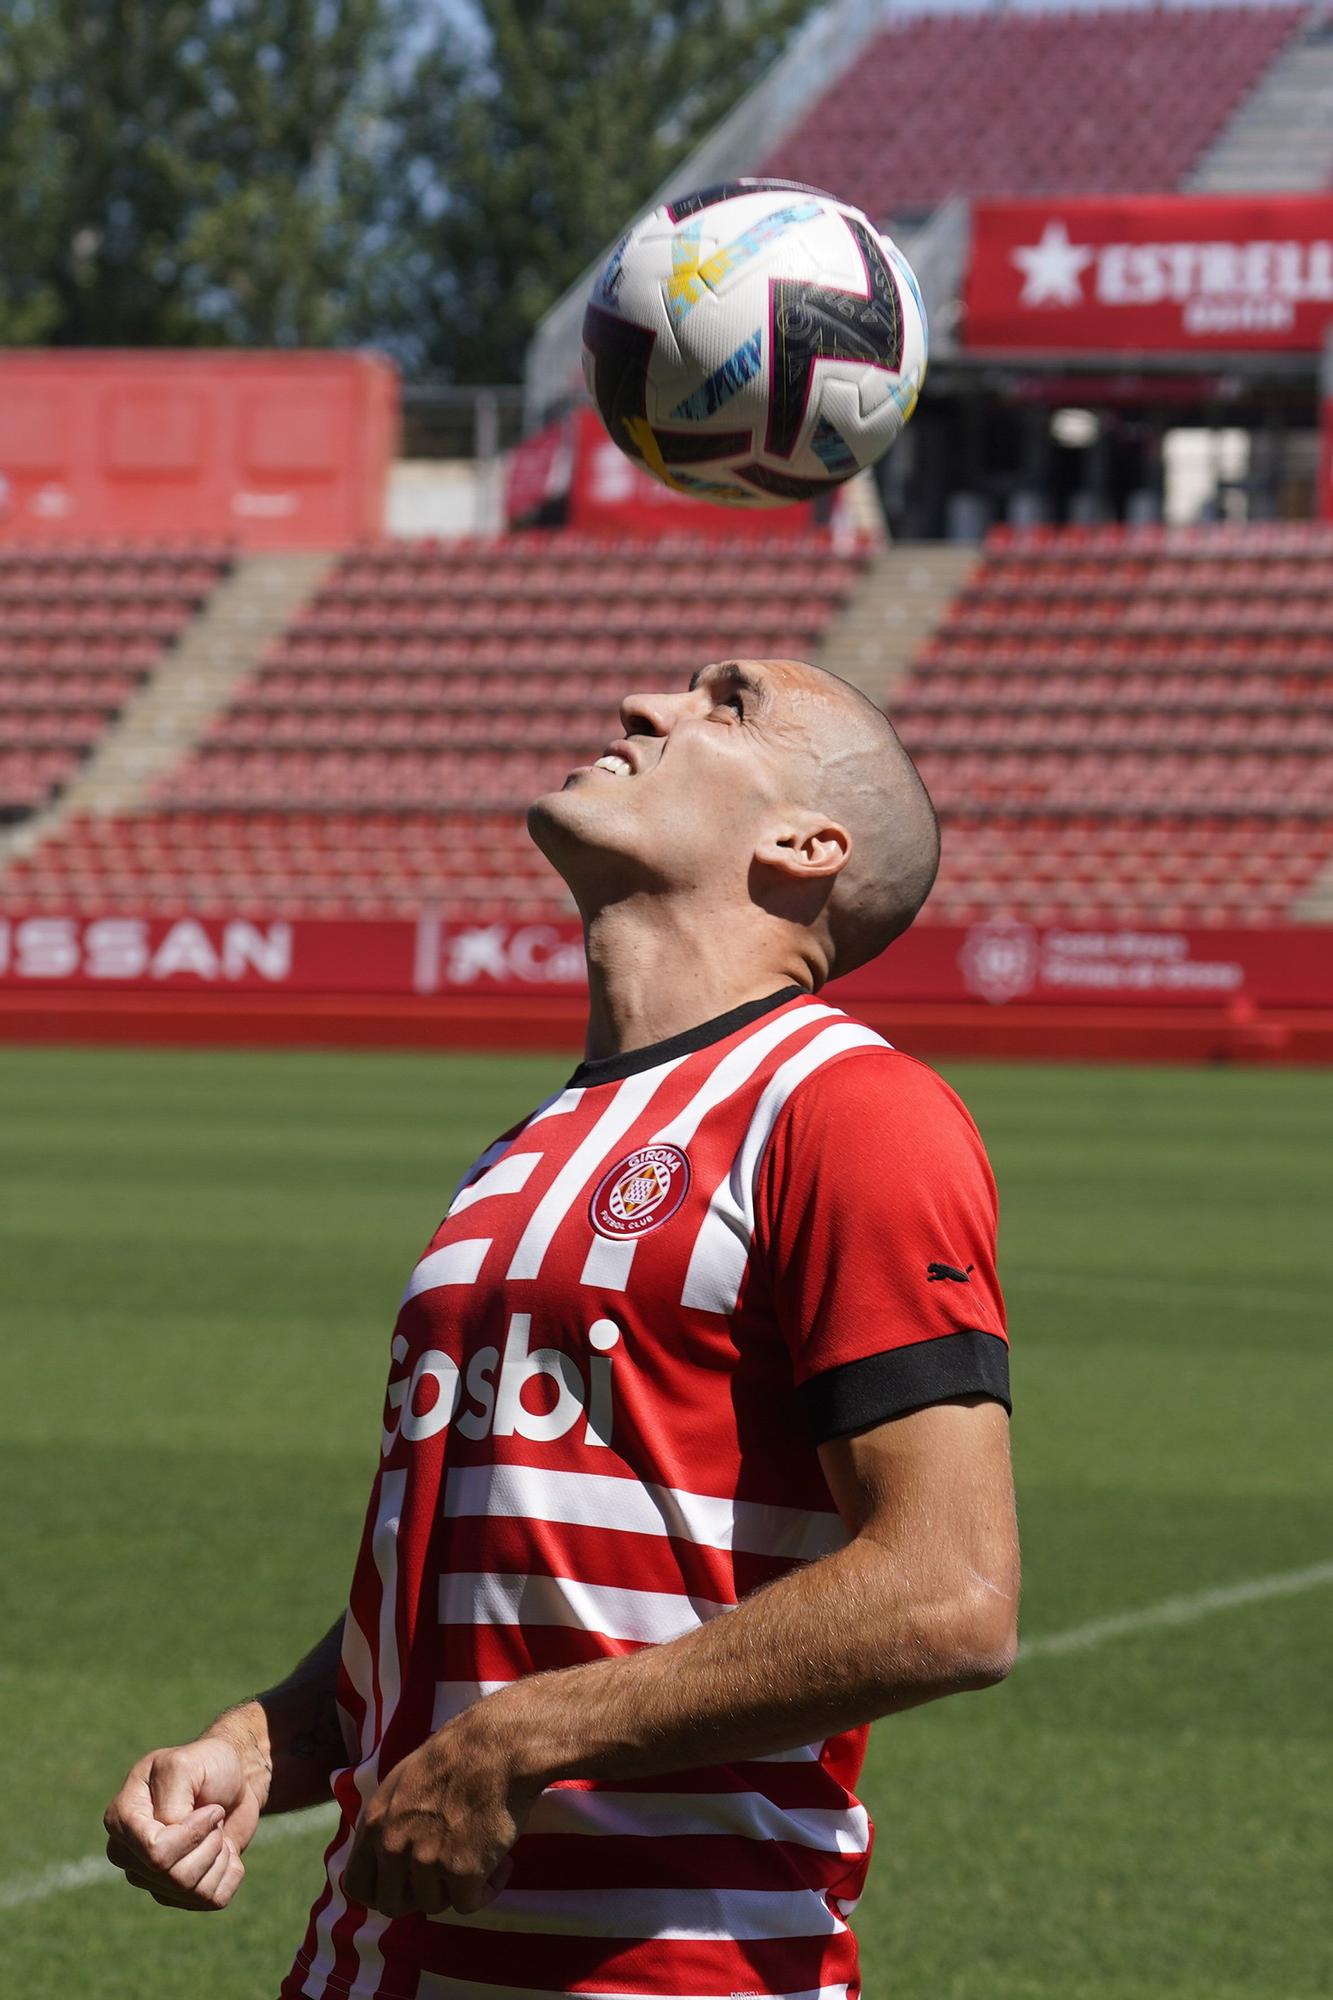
755	343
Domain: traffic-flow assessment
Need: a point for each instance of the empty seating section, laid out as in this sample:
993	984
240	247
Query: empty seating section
1120	726
289	864
474	674
382	756
80	628
1115	101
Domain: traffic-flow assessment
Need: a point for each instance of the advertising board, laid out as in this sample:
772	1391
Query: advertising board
993	963
1153	274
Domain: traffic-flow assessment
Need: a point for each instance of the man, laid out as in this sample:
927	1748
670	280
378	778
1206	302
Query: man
715	1331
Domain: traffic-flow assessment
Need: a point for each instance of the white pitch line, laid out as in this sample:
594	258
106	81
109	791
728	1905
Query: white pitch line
94	1868
1176	1611
83	1874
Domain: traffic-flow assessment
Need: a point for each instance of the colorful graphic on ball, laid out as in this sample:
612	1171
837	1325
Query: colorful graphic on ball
755	344
641	1192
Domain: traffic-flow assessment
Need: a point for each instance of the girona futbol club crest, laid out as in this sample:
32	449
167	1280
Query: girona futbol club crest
641	1191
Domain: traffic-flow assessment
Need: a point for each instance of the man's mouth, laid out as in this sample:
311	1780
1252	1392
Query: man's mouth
621	759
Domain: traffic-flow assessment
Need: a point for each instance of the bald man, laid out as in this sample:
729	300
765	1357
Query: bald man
694	1457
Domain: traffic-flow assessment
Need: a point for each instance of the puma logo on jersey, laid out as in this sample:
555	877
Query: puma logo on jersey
486	1397
934	1272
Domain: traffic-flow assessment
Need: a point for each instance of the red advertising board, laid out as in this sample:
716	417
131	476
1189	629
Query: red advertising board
610	494
1001	961
537	472
991	963
1324	501
266	450
193	954
1151	274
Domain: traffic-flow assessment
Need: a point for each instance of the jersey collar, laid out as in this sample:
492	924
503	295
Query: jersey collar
614	1069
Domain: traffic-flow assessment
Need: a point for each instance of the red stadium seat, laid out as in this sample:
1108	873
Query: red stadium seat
1057	102
1087	760
1199	754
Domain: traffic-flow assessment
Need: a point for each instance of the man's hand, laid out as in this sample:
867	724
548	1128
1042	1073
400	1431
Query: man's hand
181	1821
920	1603
436	1834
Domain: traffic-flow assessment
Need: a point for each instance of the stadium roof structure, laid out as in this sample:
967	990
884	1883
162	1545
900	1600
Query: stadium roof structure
1133	122
820	53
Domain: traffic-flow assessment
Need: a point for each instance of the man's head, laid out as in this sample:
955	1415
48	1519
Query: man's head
768	789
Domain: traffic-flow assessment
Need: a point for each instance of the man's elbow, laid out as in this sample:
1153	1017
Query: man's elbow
982	1666
974	1642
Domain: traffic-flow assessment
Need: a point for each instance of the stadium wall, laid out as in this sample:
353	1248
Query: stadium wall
266	450
996	988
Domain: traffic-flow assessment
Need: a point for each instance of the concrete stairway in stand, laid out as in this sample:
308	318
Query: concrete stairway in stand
903	595
252	605
1315	906
1281	137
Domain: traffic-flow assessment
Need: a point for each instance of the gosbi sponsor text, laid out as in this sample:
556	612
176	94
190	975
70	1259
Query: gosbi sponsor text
484	1396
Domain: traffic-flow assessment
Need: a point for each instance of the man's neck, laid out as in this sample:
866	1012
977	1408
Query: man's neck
657	969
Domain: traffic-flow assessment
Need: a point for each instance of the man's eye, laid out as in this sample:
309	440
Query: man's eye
735	701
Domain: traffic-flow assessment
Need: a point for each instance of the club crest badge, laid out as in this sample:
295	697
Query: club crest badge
641	1192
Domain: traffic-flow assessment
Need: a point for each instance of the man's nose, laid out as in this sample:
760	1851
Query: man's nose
651	714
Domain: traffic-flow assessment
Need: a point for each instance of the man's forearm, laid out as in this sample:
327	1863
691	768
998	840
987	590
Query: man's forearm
290	1738
833	1646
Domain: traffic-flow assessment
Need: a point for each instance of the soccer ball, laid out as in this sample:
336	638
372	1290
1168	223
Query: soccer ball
754	344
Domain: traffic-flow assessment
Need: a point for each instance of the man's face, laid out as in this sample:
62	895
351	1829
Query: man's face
697	780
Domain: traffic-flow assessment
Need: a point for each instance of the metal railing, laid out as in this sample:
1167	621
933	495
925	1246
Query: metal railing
443	420
937	252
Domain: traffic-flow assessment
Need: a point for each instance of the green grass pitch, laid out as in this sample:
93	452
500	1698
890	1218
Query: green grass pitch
201	1255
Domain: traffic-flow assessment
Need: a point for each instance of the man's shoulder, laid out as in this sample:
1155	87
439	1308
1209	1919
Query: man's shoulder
869	1077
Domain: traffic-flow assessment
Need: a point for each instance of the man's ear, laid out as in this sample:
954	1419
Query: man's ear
807	850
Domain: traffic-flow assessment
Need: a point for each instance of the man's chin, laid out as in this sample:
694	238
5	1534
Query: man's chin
579	831
561	820
549	808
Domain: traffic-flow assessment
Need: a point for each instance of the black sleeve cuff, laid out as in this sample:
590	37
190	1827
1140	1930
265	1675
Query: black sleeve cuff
870	1391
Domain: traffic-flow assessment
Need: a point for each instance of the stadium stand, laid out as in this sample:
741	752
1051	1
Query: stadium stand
1131	726
381	757
80	628
1118	726
1281	136
1112	101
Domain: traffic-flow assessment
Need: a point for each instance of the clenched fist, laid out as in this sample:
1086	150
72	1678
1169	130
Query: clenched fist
436	1834
181	1821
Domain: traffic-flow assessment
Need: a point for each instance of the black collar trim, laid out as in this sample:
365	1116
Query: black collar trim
614	1069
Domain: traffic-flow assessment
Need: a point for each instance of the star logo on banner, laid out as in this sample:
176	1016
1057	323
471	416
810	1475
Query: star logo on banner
1053	269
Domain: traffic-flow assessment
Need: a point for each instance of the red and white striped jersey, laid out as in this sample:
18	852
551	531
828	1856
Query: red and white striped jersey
645	1308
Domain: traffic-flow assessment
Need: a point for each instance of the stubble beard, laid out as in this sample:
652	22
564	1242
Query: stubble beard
563	828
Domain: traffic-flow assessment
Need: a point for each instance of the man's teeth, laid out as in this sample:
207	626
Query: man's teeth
617	766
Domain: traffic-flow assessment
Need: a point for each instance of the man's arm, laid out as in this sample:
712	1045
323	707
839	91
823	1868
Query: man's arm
290	1738
922	1602
184	1816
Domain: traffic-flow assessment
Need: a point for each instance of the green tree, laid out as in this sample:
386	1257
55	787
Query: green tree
514	171
275	172
184	170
